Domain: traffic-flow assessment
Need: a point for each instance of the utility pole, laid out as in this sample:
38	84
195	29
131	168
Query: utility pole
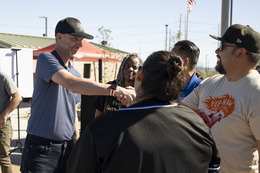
45	35
170	41
166	39
225	22
179	33
231	11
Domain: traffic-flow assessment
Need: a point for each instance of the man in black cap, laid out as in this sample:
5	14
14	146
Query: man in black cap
52	127
229	102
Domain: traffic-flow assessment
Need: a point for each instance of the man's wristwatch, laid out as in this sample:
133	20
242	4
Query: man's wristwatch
113	89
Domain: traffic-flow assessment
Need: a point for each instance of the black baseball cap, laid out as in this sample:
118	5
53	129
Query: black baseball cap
71	26
242	36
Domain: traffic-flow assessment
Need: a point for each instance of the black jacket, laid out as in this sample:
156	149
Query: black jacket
149	137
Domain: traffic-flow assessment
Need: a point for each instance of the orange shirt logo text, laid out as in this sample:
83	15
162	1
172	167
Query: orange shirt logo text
224	103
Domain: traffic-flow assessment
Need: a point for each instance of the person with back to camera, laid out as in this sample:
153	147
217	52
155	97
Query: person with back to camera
10	98
229	102
125	77
189	53
52	127
152	135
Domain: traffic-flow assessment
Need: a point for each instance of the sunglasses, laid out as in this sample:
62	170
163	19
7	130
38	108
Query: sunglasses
221	46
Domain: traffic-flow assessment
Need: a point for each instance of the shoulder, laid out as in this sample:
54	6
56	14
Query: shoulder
48	61
253	81
46	56
213	79
108	121
254	76
183	110
189	116
5	77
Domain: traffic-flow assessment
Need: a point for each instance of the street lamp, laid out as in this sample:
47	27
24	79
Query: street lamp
19	144
45	35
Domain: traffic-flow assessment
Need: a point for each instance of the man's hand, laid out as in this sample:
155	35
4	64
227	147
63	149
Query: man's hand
2	120
125	95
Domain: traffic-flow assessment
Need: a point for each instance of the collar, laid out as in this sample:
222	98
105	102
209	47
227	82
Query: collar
54	53
148	104
194	80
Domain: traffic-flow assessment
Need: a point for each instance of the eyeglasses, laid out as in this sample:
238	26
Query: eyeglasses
221	46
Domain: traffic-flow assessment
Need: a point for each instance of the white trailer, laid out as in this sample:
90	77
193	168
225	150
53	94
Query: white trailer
18	63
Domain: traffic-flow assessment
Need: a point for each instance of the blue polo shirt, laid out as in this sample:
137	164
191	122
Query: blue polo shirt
53	106
193	83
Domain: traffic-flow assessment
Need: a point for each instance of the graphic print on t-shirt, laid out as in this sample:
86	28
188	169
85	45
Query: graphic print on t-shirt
221	107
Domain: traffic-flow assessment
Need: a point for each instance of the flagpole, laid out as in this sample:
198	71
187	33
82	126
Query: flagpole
189	4
187	26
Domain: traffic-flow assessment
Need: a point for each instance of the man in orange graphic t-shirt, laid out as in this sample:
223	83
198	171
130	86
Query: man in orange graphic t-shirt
229	102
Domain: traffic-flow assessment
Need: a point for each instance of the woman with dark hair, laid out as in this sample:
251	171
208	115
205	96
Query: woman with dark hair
152	135
125	78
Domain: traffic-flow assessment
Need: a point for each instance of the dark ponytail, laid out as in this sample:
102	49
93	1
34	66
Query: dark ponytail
163	76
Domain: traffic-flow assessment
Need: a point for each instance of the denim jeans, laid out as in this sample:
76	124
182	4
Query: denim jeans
42	155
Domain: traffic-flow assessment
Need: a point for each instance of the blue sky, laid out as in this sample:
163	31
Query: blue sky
137	26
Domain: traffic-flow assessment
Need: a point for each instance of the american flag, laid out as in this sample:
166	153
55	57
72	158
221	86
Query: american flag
189	4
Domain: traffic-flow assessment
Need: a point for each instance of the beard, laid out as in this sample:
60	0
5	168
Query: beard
220	68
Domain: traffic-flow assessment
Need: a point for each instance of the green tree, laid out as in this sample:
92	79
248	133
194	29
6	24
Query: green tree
104	36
